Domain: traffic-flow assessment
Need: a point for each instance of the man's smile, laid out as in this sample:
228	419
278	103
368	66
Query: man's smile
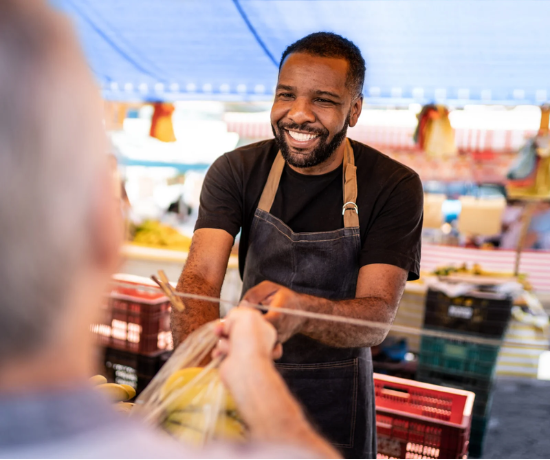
296	135
301	140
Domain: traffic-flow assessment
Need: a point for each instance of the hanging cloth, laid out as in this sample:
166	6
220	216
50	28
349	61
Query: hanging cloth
434	133
161	123
525	164
538	184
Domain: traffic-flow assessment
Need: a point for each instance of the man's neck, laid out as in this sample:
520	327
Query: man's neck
333	162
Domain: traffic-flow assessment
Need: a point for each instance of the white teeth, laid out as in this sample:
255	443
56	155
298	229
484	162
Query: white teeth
301	136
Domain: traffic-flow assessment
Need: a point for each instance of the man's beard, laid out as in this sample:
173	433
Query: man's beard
320	154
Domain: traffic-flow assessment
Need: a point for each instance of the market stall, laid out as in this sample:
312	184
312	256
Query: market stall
228	51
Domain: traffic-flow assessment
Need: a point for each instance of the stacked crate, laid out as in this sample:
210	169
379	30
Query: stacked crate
419	420
465	364
134	332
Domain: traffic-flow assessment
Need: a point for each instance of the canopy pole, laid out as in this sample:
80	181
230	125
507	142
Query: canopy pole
525	223
532	203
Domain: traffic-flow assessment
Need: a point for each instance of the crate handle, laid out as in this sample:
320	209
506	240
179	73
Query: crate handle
397	392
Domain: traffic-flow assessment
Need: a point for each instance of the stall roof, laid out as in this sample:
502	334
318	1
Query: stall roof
451	51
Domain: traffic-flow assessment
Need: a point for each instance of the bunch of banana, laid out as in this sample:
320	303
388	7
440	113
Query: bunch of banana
119	394
153	233
199	408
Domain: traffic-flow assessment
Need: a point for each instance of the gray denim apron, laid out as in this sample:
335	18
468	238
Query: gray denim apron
333	384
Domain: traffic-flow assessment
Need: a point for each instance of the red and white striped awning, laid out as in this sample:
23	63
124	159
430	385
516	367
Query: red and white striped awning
486	154
401	137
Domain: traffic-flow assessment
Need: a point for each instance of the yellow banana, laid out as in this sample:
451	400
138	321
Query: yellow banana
185	434
225	427
230	404
98	380
182	377
230	429
114	392
192	418
130	390
193	395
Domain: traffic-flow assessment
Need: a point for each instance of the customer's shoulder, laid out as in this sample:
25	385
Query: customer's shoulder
371	161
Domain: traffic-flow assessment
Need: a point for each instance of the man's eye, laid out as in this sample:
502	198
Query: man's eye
325	101
285	95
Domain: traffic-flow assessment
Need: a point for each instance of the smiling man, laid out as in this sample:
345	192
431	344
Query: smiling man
329	225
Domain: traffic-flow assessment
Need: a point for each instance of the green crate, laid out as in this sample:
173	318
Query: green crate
456	356
478	431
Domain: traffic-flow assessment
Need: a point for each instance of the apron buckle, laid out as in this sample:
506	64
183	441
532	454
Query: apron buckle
344	208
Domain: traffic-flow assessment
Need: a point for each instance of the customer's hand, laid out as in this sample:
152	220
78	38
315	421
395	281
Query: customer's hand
245	336
249	344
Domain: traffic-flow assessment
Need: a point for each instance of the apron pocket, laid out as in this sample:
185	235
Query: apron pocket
328	392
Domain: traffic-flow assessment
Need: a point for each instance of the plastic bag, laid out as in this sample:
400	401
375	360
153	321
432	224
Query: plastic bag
189	402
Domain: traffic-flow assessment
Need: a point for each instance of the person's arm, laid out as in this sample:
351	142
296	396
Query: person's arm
203	274
218	222
379	291
271	413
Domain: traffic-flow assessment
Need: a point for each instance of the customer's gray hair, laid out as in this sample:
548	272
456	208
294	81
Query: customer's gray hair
47	172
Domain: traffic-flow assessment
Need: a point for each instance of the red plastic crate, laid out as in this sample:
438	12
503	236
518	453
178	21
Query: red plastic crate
135	318
419	420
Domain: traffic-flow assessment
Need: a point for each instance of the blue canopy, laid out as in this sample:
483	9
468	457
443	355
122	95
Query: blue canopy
450	51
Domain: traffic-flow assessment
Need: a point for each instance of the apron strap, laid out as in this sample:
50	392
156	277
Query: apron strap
349	180
350	211
272	184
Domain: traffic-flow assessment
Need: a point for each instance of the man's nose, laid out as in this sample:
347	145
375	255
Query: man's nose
301	112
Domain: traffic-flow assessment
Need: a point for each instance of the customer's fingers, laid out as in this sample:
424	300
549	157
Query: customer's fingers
221	349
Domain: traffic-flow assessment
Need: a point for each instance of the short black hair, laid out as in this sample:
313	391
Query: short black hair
328	44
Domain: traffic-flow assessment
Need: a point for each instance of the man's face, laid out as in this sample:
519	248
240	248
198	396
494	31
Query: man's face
313	108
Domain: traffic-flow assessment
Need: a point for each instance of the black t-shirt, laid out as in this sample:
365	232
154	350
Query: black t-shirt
389	199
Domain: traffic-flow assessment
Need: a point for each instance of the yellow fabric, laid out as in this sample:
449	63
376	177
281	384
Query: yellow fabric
541	185
544	119
440	136
522	360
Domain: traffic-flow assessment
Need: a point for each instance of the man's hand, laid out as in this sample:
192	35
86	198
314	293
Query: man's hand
275	295
379	290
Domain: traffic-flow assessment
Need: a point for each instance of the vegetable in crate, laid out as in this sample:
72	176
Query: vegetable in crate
119	394
153	233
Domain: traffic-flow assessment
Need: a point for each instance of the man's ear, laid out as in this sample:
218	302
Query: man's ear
355	111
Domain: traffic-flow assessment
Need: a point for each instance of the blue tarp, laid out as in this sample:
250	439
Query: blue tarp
453	51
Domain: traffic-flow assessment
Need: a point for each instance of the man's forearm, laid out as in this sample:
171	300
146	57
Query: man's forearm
196	312
345	335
